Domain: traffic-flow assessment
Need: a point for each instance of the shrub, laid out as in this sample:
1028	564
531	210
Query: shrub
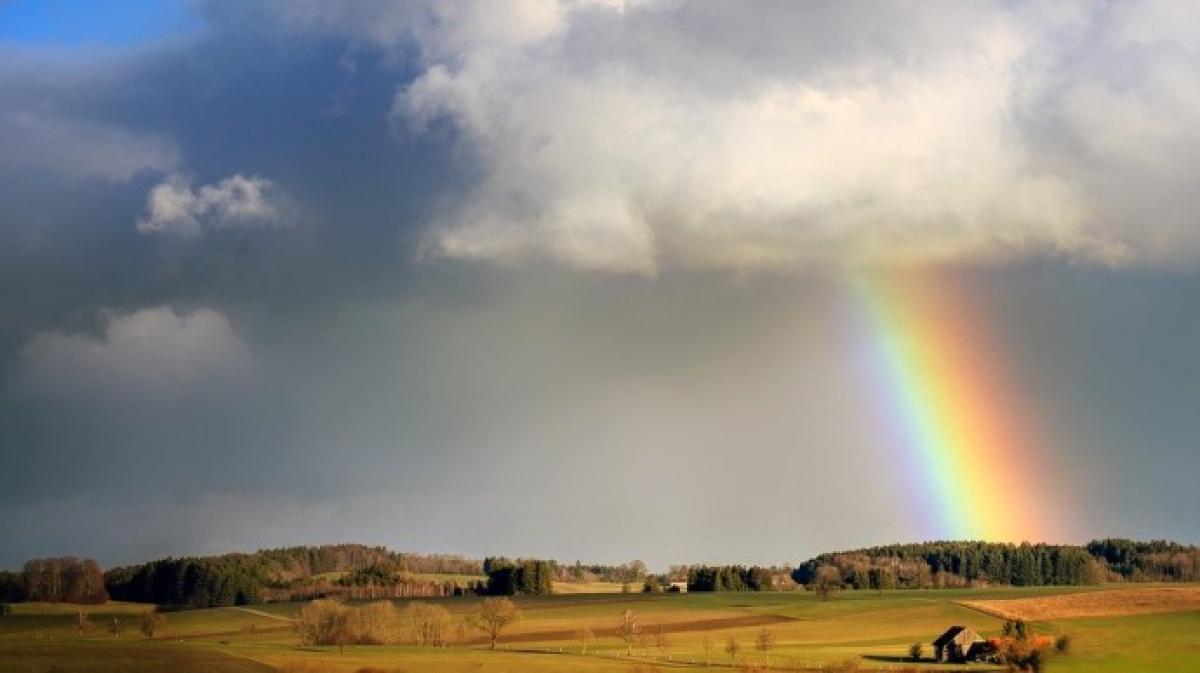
152	622
915	650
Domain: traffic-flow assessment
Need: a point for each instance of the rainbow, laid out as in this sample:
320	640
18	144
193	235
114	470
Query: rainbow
950	410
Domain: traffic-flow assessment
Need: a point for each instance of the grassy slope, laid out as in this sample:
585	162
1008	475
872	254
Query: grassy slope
877	626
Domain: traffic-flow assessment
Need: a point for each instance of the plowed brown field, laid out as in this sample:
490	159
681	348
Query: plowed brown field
1094	603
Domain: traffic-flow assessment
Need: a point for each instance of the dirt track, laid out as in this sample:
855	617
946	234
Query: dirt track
668	627
1112	602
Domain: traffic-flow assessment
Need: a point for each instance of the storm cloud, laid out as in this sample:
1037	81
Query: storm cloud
402	273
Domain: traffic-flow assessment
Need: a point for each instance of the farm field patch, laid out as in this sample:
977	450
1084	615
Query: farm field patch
872	629
1140	600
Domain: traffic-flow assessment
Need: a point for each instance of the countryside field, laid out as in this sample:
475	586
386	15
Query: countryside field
870	630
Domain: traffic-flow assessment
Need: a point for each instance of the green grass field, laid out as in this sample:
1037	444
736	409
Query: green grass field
871	629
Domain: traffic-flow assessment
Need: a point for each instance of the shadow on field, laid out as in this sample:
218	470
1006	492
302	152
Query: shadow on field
911	665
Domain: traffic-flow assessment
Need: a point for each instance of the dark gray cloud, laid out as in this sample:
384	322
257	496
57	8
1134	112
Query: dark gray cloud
318	359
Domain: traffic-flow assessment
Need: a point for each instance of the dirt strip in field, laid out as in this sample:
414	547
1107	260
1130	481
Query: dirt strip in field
670	627
1113	602
226	634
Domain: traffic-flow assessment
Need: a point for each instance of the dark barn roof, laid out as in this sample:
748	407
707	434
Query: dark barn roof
948	635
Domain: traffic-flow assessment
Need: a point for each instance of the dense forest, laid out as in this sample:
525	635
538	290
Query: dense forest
1154	561
729	578
284	573
958	564
54	580
520	577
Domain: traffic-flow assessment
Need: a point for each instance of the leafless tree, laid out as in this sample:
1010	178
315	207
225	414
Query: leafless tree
764	642
493	615
585	636
732	647
662	642
430	623
826	581
324	622
151	623
628	630
377	623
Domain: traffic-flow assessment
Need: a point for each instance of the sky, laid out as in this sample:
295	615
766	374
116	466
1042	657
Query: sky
596	279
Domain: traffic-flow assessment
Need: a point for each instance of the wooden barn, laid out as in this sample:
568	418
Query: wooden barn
958	644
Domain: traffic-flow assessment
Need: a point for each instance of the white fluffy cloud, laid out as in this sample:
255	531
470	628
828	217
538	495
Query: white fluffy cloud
148	352
174	206
632	136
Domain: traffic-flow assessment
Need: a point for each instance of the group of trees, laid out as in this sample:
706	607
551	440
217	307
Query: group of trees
951	564
1153	561
524	577
729	578
287	563
233	579
327	622
286	573
330	622
386	580
625	573
633	634
56	580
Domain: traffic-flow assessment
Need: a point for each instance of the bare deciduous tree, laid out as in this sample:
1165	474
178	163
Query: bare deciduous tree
324	622
628	630
430	623
732	647
82	622
493	615
377	623
585	636
662	642
826	581
152	622
765	642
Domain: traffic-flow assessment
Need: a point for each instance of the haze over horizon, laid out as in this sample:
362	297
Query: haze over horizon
583	280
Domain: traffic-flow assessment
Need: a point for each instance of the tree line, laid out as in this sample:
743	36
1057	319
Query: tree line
326	622
519	577
282	573
292	562
1153	561
220	581
63	579
957	564
729	578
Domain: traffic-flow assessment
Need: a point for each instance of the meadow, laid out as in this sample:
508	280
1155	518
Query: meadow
866	630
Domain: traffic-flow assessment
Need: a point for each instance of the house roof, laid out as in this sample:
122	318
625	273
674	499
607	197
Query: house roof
953	633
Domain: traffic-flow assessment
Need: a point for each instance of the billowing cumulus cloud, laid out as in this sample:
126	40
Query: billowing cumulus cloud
628	138
174	206
148	352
